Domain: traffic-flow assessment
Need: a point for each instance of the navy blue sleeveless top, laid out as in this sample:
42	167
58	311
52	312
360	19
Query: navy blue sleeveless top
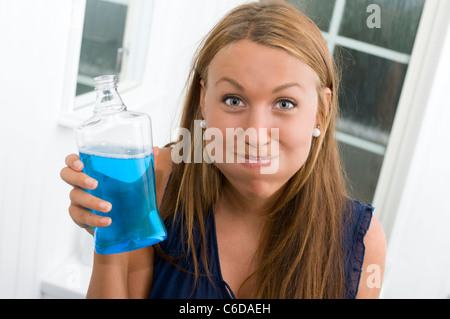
170	282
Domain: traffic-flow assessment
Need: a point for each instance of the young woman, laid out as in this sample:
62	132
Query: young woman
232	230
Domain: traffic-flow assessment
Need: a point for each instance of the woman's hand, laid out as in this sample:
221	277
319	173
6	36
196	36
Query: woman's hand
82	201
111	273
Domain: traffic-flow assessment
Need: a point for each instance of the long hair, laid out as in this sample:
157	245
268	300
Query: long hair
300	254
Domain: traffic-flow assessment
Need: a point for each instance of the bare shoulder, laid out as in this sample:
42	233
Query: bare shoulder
162	172
374	261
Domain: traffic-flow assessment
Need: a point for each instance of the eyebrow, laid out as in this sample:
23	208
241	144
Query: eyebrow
232	82
241	88
286	86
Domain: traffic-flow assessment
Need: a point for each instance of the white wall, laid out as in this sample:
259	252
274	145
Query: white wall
418	263
35	230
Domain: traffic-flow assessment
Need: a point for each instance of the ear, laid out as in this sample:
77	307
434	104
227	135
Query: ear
326	99
202	98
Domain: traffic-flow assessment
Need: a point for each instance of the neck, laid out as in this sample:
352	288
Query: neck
241	206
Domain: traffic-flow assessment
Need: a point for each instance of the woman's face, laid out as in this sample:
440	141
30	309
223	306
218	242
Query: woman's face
252	87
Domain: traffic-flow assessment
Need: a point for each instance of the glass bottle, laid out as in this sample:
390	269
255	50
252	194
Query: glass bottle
115	146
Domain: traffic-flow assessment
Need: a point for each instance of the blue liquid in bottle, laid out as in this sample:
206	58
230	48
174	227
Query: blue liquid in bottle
129	185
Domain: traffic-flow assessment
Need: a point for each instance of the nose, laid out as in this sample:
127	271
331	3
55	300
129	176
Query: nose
259	121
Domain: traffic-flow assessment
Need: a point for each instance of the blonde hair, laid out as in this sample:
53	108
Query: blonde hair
300	254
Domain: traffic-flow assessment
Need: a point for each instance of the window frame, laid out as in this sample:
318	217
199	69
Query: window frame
410	112
333	39
137	38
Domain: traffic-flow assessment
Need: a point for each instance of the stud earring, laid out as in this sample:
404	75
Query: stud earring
203	124
316	132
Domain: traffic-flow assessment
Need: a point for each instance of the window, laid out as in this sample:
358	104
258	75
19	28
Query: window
102	46
374	61
114	41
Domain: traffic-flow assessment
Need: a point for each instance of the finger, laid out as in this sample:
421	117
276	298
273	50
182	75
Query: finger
81	198
155	155
78	179
86	219
73	161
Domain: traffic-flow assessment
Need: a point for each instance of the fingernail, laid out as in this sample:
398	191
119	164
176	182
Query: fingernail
78	165
105	221
105	206
91	183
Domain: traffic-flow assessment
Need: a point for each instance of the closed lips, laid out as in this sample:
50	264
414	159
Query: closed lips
255	159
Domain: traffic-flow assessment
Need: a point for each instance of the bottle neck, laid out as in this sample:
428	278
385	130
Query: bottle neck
108	101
